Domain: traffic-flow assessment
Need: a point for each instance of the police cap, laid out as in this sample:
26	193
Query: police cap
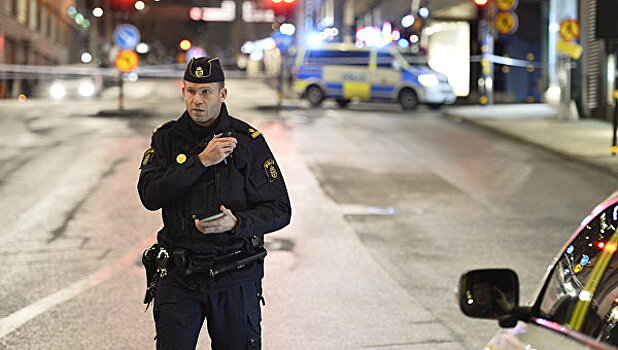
204	70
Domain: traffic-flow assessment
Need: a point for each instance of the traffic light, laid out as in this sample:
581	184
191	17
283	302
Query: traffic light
283	8
480	3
122	5
185	44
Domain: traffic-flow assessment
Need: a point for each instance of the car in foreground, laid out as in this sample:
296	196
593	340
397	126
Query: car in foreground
576	304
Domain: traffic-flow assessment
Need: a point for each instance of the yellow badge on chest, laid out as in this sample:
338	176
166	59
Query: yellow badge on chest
181	158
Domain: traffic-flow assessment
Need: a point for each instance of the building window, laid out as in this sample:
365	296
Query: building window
33	17
43	20
22	11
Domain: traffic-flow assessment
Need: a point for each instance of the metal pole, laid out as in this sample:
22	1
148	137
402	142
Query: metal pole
486	77
120	92
614	146
280	80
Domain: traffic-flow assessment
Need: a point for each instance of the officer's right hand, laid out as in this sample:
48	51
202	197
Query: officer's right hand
217	150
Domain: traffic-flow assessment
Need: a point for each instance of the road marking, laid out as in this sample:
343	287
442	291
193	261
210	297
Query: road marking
18	318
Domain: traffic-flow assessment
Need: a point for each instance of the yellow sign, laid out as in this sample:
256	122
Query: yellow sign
570	49
507	5
126	60
506	22
569	30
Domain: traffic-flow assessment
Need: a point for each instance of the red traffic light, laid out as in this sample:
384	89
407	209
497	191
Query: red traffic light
122	5
480	2
283	7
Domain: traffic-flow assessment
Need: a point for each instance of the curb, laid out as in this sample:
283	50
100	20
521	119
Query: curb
564	155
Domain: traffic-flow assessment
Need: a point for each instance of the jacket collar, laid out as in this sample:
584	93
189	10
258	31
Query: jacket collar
189	130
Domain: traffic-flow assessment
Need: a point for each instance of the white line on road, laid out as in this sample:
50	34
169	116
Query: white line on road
18	318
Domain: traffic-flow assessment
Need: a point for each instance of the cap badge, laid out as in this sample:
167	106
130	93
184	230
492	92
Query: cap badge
199	72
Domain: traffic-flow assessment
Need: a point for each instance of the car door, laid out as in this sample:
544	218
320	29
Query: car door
578	303
386	77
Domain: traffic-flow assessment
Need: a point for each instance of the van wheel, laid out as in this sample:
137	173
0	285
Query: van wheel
435	106
407	99
342	102
315	95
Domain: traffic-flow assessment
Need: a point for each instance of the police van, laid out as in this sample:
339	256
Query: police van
346	72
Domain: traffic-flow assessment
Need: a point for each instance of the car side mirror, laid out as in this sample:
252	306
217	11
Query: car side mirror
489	293
396	65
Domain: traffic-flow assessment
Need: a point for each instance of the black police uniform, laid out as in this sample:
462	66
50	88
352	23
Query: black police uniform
249	183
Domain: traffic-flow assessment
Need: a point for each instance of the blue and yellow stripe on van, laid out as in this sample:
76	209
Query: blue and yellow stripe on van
306	74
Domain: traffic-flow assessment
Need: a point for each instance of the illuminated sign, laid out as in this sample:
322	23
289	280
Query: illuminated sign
507	5
251	14
126	60
506	22
225	13
569	29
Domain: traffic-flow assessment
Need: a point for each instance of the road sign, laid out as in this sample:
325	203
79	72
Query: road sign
126	60
569	30
126	36
506	22
570	49
507	5
283	41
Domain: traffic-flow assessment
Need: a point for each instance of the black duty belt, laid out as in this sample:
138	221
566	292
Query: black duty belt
158	261
194	263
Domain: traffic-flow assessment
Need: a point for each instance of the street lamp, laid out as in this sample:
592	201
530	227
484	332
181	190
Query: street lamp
97	12
86	57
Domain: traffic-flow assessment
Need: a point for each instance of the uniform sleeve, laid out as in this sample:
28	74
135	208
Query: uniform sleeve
162	180
269	205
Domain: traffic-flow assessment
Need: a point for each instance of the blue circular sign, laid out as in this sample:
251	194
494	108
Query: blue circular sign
126	36
283	41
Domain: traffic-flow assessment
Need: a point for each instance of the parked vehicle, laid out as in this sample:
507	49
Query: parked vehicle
576	305
345	72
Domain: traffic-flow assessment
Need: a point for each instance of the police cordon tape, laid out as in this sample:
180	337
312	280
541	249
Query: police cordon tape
20	71
505	61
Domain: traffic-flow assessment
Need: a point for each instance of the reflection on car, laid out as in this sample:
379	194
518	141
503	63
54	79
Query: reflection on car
576	306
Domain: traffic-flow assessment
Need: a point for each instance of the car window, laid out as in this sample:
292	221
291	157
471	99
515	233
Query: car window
582	291
385	60
336	57
415	60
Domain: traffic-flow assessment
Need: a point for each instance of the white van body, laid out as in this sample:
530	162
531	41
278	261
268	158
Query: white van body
345	72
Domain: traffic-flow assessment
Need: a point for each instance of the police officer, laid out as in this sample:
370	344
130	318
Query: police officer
220	190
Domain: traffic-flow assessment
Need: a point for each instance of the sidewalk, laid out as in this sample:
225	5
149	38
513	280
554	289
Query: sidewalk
585	140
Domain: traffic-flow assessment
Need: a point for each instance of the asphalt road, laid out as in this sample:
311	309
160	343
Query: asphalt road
389	209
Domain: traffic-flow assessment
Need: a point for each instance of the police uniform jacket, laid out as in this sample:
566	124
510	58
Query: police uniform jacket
249	183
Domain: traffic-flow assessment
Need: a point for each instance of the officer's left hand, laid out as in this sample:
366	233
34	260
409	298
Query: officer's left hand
223	224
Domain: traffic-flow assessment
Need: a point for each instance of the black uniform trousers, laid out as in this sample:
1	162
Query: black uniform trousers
232	316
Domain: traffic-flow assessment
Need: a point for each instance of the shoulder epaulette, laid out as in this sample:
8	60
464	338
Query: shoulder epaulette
246	129
164	126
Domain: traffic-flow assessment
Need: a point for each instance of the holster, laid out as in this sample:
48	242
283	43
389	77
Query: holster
152	260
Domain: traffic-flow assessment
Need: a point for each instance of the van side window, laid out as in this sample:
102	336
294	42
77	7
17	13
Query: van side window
332	57
385	60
